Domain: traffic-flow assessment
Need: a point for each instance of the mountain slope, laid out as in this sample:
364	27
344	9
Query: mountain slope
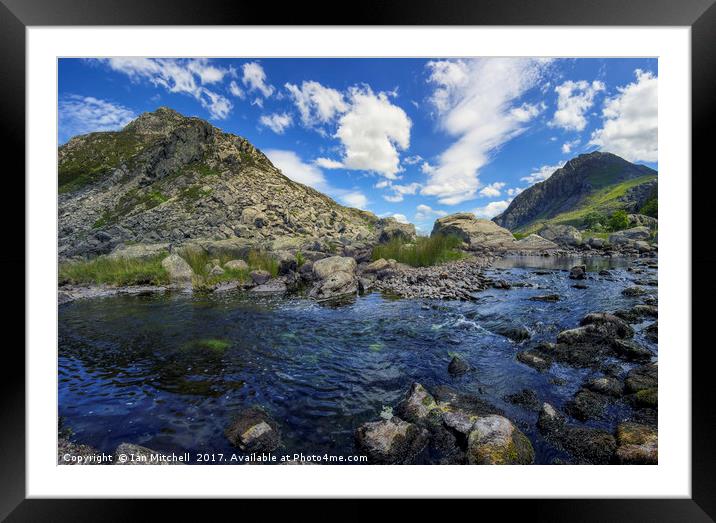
170	178
595	182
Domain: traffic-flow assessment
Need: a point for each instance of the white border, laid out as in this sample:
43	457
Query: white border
671	478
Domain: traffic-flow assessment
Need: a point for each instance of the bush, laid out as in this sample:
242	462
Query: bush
424	252
111	271
650	207
618	221
594	221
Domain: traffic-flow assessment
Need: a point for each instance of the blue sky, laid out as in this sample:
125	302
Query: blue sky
414	138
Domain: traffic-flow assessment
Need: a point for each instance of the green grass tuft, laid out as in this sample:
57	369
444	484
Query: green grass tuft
120	271
424	252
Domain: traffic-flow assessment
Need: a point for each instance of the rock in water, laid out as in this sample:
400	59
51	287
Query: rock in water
335	276
494	440
477	234
392	441
458	366
578	272
254	431
637	444
178	270
562	235
418	405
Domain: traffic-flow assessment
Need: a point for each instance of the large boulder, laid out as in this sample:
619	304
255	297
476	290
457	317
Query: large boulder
335	276
494	440
641	220
476	233
254	431
390	441
534	242
391	229
562	235
139	251
629	236
178	269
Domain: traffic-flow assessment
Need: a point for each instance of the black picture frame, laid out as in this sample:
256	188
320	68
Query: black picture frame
700	15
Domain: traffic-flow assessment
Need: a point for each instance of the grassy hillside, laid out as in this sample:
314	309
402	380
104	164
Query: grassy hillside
604	200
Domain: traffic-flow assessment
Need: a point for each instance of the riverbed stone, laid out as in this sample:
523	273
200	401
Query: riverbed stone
607	385
259	277
494	440
535	359
586	405
458	366
578	272
546	297
390	441
642	378
637	444
253	430
418	406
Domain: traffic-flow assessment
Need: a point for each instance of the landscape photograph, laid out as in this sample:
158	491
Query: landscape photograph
357	261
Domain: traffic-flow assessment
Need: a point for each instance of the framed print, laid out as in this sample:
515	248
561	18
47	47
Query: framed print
424	255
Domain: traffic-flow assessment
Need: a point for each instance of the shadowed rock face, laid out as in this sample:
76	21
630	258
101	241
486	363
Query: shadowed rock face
166	178
570	185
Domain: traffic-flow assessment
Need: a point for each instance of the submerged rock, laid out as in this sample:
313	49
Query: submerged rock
606	385
494	440
458	366
546	297
392	441
578	272
535	359
633	291
516	333
637	444
526	397
253	430
586	405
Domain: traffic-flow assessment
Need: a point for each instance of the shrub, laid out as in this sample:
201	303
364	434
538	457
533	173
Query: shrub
112	271
424	252
594	221
618	220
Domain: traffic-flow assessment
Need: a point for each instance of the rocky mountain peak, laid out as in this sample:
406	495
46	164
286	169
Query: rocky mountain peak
162	121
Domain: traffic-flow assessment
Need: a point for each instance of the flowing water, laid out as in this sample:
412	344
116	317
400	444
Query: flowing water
169	371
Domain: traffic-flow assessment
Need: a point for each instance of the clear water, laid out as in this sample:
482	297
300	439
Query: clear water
131	370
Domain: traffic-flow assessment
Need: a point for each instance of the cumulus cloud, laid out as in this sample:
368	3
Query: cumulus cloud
574	99
235	90
541	173
372	132
476	102
327	163
187	76
399	191
278	123
568	146
425	213
315	103
85	114
254	79
526	112
293	167
492	190
400	218
492	209
630	120
299	171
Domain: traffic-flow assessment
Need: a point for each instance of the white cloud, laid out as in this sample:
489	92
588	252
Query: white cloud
426	168
372	132
492	209
630	120
236	90
382	184
399	191
400	218
278	123
573	100
186	76
293	167
542	173
354	199
315	103
568	146
327	163
85	114
412	160
492	190
425	212
297	170
525	112
254	79
258	102
475	103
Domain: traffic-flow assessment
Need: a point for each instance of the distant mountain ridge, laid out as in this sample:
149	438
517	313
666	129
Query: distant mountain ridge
170	178
594	182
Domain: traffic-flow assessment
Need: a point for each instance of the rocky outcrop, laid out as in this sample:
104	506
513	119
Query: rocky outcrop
635	238
390	441
562	235
166	178
494	440
569	188
391	229
477	234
